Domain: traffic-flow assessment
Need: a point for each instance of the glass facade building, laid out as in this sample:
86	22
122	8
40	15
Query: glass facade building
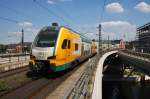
143	34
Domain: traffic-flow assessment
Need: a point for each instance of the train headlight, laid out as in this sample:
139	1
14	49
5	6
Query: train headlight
32	57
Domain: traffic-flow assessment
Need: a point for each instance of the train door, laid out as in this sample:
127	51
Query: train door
69	50
64	50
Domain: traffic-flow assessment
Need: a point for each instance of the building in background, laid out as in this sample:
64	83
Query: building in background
143	34
132	45
17	48
122	44
111	44
117	43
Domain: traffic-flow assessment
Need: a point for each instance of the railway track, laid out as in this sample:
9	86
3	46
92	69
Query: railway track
40	88
35	87
13	71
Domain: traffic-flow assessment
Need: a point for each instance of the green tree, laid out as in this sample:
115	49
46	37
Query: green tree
3	48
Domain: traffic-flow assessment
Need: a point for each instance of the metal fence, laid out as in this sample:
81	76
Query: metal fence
12	58
9	62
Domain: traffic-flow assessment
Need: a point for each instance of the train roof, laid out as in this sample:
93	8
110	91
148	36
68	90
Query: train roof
84	38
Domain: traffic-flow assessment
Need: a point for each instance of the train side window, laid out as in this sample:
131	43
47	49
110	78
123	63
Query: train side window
76	47
68	44
64	45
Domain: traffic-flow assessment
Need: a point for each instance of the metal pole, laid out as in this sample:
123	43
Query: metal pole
99	37
22	41
18	58
108	41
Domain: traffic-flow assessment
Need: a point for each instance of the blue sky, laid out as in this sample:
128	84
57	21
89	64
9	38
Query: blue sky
120	18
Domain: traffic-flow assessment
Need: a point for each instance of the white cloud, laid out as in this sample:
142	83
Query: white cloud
51	1
17	33
88	30
115	29
29	34
114	8
31	30
64	0
27	31
55	1
120	28
120	24
25	24
143	7
14	34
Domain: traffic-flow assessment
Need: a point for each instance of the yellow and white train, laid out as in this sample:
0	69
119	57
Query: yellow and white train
58	48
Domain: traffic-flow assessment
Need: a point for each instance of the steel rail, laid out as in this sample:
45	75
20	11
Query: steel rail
13	71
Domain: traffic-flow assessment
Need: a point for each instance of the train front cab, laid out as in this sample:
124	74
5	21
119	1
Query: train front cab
67	51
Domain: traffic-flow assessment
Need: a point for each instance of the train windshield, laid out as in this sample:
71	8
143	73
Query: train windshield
46	38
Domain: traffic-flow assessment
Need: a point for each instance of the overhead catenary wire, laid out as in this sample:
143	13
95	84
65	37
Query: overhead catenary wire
9	20
103	10
100	27
16	21
14	11
28	17
67	15
50	11
64	12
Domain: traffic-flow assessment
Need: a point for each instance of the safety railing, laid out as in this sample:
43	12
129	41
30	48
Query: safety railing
83	87
13	62
14	65
13	55
143	56
110	49
10	59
